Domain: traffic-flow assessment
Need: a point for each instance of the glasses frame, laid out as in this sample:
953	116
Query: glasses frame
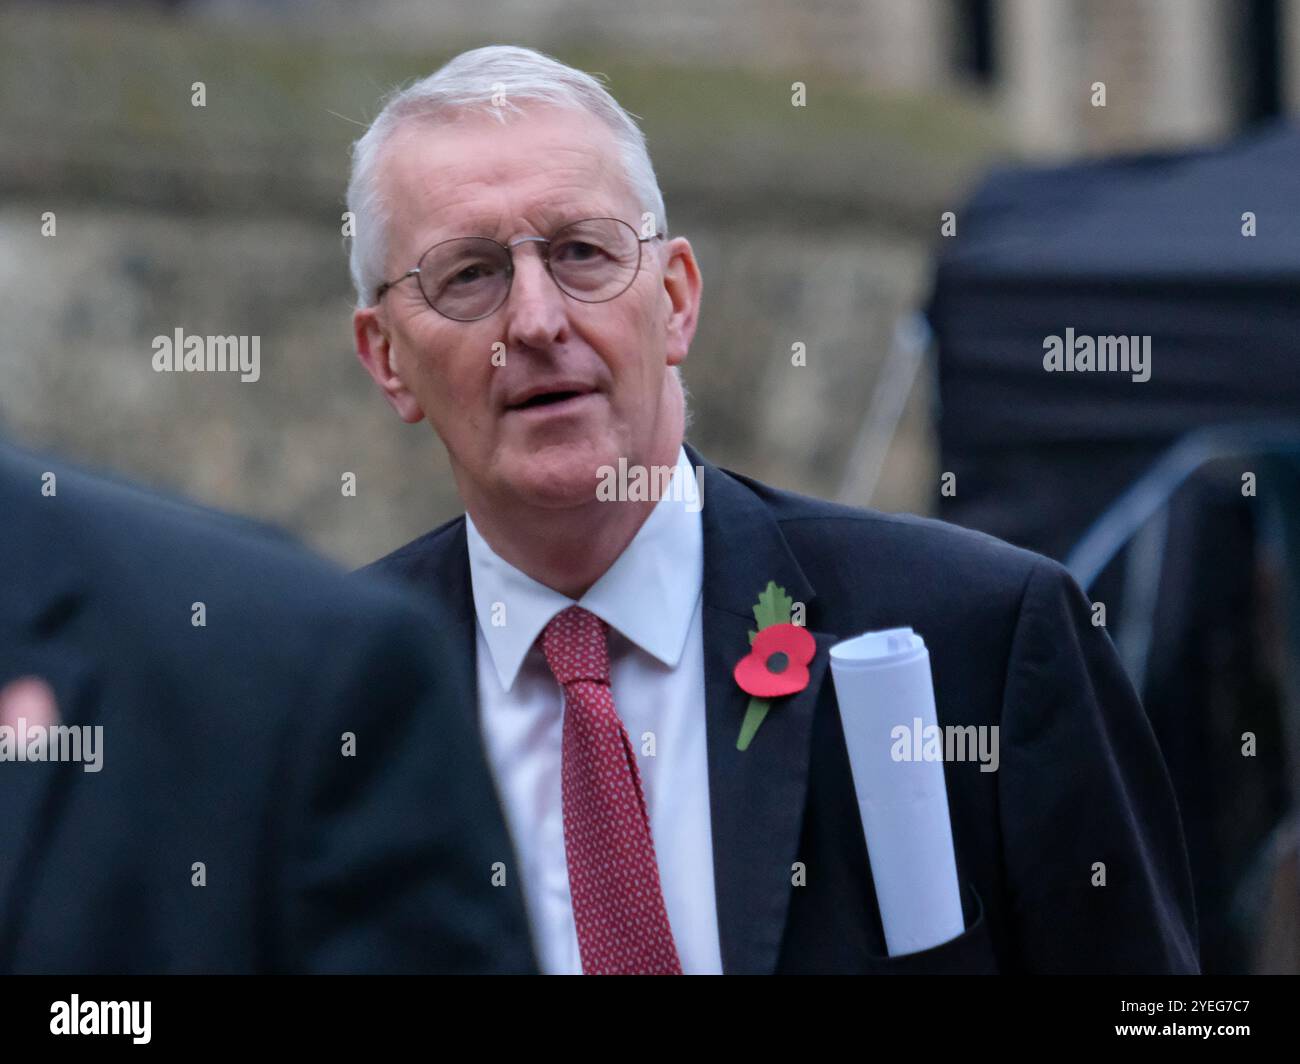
544	251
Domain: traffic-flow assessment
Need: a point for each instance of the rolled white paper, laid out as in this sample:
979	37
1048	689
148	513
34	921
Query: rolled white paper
882	682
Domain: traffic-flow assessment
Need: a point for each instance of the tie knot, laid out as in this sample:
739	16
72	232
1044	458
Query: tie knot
575	646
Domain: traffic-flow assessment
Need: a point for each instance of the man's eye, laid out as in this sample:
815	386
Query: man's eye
577	251
469	274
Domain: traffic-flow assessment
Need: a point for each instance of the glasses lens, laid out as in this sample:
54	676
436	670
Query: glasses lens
465	278
596	259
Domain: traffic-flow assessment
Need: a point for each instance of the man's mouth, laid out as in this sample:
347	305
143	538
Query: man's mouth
563	392
545	399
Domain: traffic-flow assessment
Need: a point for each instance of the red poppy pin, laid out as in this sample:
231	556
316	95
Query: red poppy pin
777	662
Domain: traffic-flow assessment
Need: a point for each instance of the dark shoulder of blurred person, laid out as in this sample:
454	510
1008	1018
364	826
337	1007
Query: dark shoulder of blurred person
287	778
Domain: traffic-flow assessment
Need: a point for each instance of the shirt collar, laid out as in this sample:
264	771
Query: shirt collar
648	595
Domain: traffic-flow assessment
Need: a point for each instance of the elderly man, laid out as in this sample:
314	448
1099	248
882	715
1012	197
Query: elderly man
518	290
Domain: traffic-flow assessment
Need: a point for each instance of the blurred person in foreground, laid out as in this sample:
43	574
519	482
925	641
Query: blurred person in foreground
295	784
518	290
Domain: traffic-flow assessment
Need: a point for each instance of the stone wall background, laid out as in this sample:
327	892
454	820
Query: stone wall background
811	225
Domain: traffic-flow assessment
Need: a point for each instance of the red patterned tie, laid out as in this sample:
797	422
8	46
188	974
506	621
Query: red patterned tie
618	906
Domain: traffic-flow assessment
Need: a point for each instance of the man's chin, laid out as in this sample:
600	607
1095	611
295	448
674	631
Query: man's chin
558	476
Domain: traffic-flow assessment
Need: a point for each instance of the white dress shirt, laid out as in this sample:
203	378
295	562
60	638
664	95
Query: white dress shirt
652	599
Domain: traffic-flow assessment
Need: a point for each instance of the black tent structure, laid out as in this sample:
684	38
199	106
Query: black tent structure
1090	321
1150	246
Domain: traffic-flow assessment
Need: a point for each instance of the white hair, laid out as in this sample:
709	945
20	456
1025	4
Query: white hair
490	79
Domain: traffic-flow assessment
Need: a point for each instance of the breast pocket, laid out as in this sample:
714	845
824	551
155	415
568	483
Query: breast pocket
970	953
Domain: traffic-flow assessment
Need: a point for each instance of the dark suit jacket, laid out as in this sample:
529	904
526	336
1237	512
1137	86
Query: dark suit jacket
223	745
1011	644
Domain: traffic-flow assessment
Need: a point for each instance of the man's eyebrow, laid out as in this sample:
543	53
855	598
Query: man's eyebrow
480	225
552	218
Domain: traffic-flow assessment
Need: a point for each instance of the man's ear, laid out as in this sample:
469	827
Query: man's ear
683	285
375	351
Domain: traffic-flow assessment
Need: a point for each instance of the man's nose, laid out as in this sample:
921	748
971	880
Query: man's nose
535	309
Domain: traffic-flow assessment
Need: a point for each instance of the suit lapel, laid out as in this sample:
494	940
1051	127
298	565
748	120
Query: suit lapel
442	573
757	797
